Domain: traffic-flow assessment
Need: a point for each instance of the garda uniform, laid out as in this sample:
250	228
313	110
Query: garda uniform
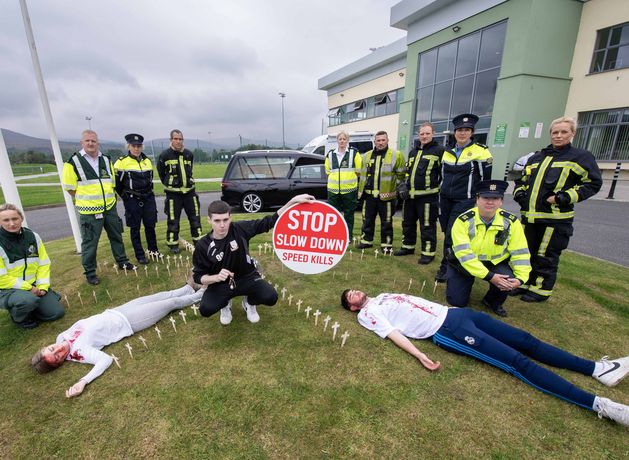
381	171
571	175
482	249
461	170
24	264
423	175
175	172
134	184
95	200
343	183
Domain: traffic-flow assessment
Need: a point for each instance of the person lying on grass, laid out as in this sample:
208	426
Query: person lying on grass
476	334
83	341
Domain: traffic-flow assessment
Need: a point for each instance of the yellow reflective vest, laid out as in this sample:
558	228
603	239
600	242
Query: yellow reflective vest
343	176
474	242
381	174
94	190
24	262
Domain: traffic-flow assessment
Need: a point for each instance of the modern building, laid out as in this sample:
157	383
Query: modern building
517	64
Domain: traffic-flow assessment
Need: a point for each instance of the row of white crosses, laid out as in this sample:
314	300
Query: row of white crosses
158	332
316	314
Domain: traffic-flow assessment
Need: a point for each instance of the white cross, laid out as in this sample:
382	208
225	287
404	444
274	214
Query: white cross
308	310
290	299
116	268
283	293
156	271
376	253
168	269
129	348
410	282
325	322
143	340
65	297
390	252
137	287
195	309
150	254
362	253
316	315
344	338
351	255
435	287
385	251
259	249
183	316
299	305
124	267
94	295
116	360
276	286
355	239
187	260
423	286
79	294
335	327
159	333
172	321
266	245
181	259
161	258
168	260
135	270
146	270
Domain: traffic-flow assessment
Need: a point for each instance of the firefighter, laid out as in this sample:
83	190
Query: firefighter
554	179
420	192
175	171
134	184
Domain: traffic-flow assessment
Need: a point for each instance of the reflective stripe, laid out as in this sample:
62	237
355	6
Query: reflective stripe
517	252
94	197
42	281
3	271
548	233
548	215
521	262
471	230
466	257
79	167
18	284
89	182
460	247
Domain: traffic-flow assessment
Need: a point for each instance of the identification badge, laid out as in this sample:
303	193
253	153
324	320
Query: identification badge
98	216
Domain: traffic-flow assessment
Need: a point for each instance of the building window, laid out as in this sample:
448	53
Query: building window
375	106
460	77
611	50
605	133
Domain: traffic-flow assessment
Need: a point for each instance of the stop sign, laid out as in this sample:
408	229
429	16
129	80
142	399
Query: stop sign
310	237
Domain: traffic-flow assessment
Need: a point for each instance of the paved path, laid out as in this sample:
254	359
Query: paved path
601	226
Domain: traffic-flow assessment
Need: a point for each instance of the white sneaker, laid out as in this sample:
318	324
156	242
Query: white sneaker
226	314
250	310
614	371
617	412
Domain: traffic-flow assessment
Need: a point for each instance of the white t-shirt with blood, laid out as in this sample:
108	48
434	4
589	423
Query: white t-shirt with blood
414	317
89	335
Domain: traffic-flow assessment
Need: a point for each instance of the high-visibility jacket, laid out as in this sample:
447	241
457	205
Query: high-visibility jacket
423	170
569	173
473	243
24	262
94	190
381	173
134	176
175	170
343	176
462	174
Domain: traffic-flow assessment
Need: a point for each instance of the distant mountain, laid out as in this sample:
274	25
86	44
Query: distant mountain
18	142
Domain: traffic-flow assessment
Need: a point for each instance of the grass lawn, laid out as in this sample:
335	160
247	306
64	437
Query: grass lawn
283	389
49	195
32	168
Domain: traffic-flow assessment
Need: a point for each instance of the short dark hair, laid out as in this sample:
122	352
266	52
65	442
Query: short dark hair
175	131
344	302
218	207
41	365
382	133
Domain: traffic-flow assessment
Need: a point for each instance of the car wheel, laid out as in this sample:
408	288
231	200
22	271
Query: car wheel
251	202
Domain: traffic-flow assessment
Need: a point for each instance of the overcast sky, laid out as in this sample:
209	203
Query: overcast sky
148	66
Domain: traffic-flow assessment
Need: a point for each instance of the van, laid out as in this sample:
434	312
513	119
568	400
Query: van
258	179
360	140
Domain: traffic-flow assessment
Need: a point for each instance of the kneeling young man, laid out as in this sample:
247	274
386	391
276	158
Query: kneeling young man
488	243
222	262
476	334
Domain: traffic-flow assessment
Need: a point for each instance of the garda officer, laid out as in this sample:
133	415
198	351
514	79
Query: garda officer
463	166
487	243
342	165
554	179
88	177
134	184
420	192
175	171
382	169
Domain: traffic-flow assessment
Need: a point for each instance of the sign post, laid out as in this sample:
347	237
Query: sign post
310	238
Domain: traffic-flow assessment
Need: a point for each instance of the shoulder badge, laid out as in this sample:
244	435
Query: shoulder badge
481	145
508	215
467	215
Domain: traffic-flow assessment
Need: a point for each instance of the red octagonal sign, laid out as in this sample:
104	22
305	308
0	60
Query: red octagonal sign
310	237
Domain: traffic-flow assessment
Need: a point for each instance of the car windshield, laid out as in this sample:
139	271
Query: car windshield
270	167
